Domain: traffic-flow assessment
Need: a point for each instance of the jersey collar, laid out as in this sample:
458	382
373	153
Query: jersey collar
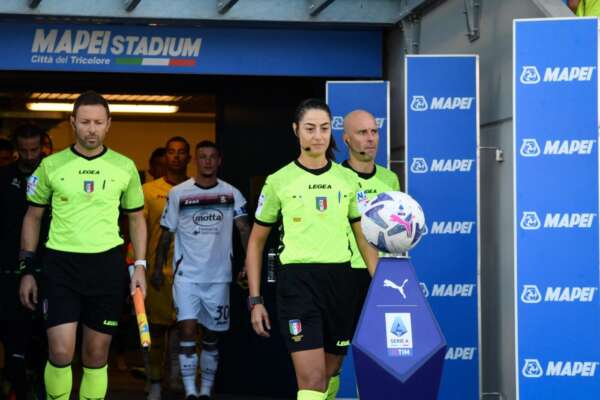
363	175
206	187
104	150
317	171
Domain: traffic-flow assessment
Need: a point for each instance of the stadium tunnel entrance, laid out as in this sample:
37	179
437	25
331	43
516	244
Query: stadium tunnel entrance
248	115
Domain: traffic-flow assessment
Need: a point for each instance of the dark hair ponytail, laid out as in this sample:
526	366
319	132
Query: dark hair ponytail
316	104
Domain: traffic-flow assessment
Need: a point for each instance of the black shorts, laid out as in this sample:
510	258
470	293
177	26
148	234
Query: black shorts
86	288
362	281
315	311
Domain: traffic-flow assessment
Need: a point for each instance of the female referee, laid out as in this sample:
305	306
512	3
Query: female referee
316	199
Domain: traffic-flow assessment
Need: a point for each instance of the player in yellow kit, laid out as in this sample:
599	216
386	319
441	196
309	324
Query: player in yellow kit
159	301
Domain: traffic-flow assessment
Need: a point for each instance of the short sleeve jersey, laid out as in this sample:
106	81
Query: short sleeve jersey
155	199
202	220
379	181
86	194
315	207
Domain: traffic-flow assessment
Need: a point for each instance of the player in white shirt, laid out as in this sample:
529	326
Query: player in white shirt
200	214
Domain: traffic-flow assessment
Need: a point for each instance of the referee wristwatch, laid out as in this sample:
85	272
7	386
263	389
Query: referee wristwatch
254	300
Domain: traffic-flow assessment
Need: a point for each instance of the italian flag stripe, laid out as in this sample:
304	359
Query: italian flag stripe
156	62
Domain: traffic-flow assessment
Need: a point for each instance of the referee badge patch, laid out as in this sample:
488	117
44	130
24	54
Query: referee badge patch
32	183
295	326
295	329
88	186
321	203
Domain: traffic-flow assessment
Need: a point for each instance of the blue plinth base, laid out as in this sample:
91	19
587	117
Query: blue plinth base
398	348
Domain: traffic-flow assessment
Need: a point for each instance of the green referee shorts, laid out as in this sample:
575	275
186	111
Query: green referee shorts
314	303
86	288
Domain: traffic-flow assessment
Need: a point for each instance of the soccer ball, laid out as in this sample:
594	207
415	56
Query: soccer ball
393	222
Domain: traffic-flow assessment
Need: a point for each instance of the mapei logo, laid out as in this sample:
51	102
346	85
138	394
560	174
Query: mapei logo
419	103
424	289
460	353
452	290
531	294
531	148
419	165
451	227
532	368
558	294
531	76
531	221
337	123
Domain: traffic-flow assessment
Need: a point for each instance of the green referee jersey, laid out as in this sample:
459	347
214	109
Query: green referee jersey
85	194
315	207
379	181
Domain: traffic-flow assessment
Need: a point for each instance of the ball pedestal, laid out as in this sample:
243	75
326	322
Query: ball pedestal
398	347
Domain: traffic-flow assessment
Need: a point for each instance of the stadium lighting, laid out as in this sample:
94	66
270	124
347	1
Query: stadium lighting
114	108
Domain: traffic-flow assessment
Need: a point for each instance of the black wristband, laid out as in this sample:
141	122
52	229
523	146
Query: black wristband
26	262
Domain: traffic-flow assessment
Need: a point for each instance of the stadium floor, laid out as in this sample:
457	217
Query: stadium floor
127	385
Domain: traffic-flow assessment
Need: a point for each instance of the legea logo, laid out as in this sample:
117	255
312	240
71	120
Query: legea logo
419	103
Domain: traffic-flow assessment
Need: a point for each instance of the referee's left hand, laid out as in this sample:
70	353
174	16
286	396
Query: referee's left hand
138	279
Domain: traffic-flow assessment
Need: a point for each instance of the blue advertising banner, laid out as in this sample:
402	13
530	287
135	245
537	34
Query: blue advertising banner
556	208
442	126
371	96
219	51
342	98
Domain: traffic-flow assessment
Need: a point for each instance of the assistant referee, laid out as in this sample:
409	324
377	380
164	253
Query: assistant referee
84	272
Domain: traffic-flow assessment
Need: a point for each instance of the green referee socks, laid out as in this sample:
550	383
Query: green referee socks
311	395
93	383
58	381
334	387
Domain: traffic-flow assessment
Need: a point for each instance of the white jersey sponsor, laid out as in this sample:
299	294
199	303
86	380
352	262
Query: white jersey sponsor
202	220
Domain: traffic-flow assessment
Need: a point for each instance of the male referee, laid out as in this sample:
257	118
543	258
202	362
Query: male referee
361	136
84	271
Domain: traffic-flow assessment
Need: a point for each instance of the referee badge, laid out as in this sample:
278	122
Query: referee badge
295	326
88	186
321	203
